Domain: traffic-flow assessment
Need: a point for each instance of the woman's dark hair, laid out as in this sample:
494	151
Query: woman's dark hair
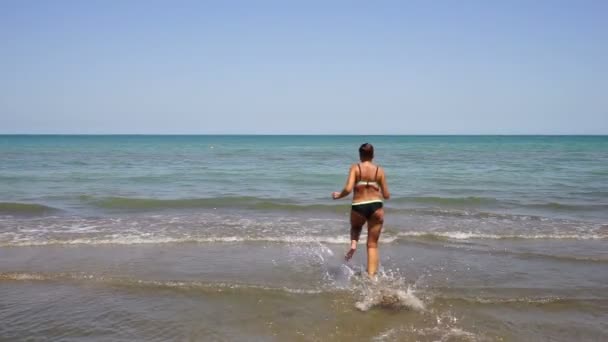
366	151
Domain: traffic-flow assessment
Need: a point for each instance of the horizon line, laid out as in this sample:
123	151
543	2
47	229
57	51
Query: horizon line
305	134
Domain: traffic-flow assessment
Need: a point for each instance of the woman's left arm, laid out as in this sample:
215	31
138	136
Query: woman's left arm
383	185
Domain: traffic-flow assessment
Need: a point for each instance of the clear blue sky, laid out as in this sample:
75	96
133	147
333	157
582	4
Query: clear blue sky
283	67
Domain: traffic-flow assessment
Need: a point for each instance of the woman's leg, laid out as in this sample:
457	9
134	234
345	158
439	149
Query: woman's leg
356	224
374	228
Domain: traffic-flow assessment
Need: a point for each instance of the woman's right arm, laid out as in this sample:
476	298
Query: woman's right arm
348	187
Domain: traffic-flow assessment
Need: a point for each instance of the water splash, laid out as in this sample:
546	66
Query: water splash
380	293
388	289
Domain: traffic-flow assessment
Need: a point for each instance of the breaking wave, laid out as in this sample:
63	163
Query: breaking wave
145	283
459	235
15	208
12	239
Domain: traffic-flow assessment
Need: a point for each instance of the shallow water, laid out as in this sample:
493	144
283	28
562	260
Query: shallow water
235	238
273	291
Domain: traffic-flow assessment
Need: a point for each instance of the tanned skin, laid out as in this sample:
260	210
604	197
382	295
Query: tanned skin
375	222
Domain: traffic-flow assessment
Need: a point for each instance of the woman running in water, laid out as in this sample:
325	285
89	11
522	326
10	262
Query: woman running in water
370	189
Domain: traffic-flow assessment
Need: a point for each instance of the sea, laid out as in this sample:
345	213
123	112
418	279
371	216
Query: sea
236	238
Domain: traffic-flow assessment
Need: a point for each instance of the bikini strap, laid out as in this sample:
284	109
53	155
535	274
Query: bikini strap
376	176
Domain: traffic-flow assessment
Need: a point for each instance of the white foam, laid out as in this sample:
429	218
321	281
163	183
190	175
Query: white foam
443	331
22	276
148	238
460	235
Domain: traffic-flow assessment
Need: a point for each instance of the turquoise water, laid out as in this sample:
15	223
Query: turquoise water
551	176
237	238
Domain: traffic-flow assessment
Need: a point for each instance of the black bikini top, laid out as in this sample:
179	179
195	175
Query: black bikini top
367	183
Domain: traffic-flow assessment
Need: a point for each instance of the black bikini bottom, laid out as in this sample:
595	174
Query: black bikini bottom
367	209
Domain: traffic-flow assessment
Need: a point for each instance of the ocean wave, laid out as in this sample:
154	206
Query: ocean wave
16	208
466	207
566	207
476	203
460	235
481	207
380	292
140	239
546	300
245	202
557	257
448	201
510	251
147	283
468	213
15	240
444	331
